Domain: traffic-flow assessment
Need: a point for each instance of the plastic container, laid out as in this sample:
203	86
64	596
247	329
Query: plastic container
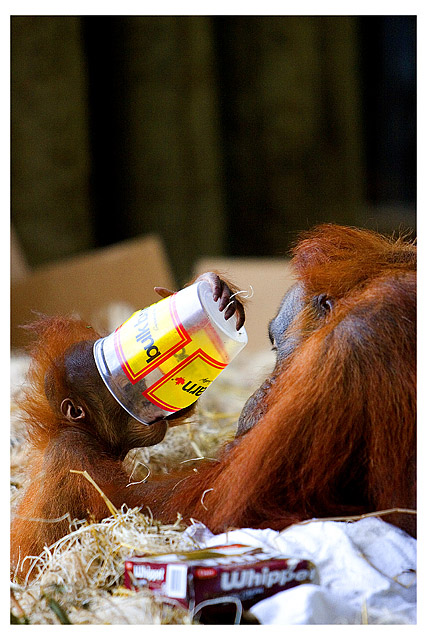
164	357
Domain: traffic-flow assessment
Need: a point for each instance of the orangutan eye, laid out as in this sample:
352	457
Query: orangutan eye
271	338
323	303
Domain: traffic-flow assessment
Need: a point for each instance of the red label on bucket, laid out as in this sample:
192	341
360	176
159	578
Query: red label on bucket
149	338
187	361
185	383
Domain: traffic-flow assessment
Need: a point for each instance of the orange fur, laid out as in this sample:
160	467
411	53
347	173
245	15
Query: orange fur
339	433
336	436
53	336
53	492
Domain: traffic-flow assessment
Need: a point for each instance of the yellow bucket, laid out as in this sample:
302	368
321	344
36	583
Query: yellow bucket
164	357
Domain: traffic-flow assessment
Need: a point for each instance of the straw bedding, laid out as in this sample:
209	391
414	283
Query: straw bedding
80	578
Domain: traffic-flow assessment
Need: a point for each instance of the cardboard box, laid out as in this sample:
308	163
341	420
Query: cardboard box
217	575
269	278
123	274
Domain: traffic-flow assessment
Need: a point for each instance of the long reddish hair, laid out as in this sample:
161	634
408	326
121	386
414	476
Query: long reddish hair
52	337
338	436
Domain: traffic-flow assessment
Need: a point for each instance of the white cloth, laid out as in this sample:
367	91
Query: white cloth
367	572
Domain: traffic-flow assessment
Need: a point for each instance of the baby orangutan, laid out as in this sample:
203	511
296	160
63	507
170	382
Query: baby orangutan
331	432
74	423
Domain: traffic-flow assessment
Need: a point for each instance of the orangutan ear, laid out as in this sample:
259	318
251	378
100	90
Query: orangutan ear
324	304
71	411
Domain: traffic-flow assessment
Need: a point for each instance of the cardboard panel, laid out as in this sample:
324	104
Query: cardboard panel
270	278
122	274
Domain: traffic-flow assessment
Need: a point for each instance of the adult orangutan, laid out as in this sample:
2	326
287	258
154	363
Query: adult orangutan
330	432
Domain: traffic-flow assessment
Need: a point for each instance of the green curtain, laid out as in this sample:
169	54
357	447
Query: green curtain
222	134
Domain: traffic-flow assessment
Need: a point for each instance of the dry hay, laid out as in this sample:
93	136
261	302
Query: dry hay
79	578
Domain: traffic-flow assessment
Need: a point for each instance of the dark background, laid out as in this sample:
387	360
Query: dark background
225	135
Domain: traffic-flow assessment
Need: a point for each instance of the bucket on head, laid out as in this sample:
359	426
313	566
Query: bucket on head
164	357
